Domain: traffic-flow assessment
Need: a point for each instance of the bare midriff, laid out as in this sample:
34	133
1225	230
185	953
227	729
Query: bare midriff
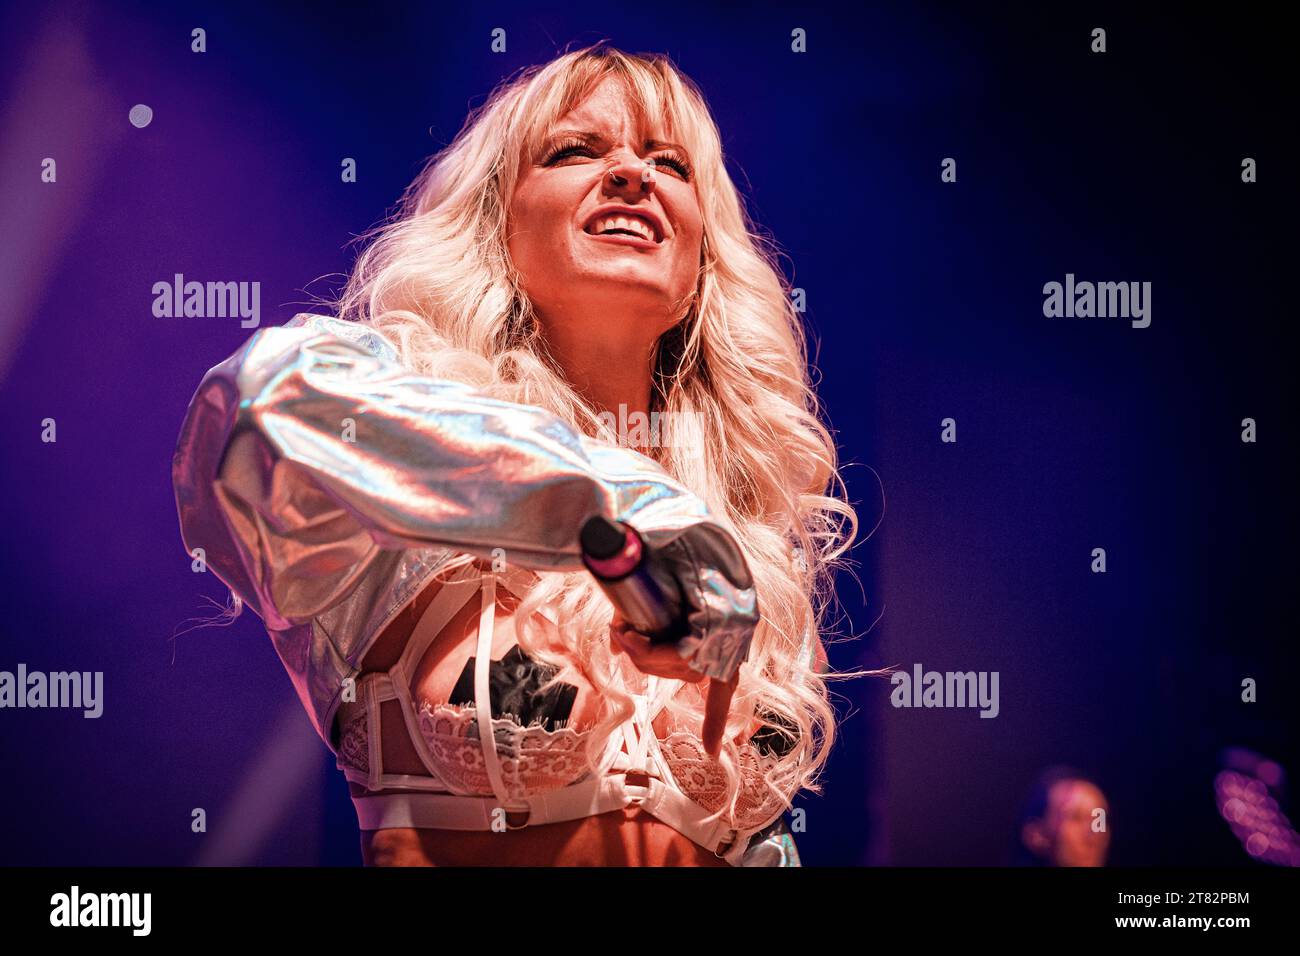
625	837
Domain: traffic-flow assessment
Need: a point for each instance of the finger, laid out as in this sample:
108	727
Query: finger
626	640
661	660
637	646
634	642
716	708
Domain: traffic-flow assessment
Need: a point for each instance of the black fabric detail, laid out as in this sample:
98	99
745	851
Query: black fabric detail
513	687
771	741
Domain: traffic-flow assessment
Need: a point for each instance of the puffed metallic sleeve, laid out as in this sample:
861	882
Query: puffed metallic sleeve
312	449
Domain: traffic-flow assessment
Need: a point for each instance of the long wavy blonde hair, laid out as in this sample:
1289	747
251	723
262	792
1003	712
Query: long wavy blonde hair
437	280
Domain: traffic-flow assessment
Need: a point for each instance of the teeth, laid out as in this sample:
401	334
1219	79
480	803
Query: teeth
628	223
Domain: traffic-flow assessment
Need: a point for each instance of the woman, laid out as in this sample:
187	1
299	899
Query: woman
577	257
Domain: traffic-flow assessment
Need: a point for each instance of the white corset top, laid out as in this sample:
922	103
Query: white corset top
539	773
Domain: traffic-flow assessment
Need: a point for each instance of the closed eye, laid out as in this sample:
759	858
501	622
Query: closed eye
566	151
563	151
668	159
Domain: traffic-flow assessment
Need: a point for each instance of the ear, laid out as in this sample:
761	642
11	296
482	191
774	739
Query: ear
1034	836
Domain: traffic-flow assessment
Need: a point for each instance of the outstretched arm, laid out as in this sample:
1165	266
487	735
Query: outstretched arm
311	449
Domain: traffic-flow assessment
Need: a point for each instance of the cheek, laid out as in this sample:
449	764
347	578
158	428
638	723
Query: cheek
519	226
691	237
532	225
526	249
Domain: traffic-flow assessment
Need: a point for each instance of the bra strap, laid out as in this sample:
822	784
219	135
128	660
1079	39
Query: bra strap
454	594
482	694
637	729
446	604
660	692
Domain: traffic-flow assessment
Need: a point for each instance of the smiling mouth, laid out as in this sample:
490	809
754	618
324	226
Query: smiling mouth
623	224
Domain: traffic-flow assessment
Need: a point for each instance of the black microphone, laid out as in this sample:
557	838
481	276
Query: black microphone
641	587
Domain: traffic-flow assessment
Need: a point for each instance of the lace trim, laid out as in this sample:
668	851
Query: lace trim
354	744
533	759
703	779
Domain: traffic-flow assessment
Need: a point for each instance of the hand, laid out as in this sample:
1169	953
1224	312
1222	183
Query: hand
663	660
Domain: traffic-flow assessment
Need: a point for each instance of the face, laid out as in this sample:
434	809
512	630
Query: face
1071	840
586	272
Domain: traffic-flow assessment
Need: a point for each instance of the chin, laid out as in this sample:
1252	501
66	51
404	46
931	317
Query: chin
617	294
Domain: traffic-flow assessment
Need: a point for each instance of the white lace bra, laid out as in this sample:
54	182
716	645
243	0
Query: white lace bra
533	775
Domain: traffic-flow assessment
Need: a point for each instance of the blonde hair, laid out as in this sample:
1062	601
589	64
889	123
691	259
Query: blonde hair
437	280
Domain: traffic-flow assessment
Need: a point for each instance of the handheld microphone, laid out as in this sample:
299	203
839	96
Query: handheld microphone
645	593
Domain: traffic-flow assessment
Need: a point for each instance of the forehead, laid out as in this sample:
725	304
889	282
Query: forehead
611	111
608	101
1072	793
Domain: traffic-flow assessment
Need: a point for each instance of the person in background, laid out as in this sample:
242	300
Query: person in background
1064	821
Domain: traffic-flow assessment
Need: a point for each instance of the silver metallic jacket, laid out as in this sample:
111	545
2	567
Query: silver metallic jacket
326	484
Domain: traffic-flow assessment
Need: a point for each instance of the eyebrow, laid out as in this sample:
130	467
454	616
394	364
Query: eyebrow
589	136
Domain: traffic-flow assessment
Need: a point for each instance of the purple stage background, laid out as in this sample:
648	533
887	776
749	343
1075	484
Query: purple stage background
925	297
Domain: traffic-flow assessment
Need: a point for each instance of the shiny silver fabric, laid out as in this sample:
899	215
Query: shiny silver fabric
772	846
326	484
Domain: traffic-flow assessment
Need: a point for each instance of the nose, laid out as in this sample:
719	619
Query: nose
629	175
